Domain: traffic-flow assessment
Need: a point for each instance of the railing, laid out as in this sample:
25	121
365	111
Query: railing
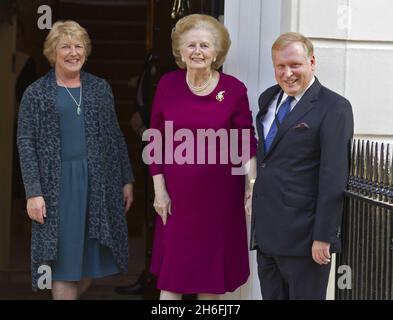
367	225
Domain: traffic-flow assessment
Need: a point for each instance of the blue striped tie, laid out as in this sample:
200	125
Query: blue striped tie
281	114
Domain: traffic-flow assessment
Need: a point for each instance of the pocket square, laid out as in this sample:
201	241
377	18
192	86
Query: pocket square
302	125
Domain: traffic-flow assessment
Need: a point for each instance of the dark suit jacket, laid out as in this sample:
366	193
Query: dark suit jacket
298	193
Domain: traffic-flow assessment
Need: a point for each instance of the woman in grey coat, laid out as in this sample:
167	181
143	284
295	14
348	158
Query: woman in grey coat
75	168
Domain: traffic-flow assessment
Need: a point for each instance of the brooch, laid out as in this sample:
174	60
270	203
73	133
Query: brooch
220	96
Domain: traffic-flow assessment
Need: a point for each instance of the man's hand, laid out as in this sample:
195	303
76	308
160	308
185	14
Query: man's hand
321	252
36	209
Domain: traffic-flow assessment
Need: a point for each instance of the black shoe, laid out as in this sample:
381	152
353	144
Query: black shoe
135	288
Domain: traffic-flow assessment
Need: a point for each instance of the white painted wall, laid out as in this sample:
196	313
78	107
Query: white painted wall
354	49
353	42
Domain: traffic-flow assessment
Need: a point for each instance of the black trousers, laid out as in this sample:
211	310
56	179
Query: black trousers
292	278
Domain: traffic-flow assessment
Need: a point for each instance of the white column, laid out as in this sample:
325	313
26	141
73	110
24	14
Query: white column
253	26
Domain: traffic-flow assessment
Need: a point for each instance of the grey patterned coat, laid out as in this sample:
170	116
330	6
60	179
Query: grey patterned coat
108	164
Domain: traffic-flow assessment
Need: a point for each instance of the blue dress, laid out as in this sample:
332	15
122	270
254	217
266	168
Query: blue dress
78	255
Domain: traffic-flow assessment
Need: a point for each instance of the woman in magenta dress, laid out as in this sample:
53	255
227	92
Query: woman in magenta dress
200	244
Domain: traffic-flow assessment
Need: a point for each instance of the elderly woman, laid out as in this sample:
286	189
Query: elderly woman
200	244
75	168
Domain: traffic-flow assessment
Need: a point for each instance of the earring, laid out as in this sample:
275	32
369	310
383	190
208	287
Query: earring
183	60
215	59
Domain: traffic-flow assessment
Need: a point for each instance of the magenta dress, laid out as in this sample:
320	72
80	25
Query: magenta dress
203	247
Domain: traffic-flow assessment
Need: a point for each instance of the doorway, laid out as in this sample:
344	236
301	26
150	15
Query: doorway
123	34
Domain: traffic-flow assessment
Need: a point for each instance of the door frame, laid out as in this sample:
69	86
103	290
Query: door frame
7	80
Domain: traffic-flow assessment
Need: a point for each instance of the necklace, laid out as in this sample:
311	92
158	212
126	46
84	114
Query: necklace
78	109
200	88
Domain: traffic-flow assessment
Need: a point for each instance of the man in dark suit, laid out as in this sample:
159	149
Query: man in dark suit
302	170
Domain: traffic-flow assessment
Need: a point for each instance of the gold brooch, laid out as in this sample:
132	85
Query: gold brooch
220	96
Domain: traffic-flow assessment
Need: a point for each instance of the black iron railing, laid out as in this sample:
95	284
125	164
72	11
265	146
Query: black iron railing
366	262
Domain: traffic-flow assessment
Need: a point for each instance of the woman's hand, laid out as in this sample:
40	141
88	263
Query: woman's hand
36	209
162	205
128	196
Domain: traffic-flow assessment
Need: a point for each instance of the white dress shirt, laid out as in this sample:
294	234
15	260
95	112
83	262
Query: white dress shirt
271	112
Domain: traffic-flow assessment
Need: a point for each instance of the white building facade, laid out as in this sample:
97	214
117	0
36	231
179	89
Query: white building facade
353	42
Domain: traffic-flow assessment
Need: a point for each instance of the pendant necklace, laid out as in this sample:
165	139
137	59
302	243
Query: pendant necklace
78	109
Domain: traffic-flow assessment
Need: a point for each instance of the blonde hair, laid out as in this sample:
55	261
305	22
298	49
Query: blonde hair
60	29
222	40
290	37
